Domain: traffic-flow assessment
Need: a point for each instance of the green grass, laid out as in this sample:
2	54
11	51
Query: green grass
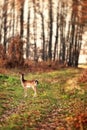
17	112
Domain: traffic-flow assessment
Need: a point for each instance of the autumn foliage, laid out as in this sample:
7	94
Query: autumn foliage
15	52
2	56
78	122
83	77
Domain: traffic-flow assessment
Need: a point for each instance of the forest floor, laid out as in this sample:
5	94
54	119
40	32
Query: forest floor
61	103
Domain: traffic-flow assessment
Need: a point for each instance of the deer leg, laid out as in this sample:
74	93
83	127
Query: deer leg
35	91
25	92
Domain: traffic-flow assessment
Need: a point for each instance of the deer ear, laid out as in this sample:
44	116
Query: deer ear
36	81
21	73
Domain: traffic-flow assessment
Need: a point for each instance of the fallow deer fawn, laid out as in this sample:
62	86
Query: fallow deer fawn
28	84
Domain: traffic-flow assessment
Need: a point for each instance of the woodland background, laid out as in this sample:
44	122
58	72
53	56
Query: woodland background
43	40
41	30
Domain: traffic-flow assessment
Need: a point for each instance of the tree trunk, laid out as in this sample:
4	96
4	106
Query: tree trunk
43	33
28	34
5	24
70	63
35	32
50	30
13	6
21	19
57	29
62	34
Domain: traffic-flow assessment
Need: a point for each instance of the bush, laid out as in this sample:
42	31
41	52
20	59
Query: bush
3	56
15	52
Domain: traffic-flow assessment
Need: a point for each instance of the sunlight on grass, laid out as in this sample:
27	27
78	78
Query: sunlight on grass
82	66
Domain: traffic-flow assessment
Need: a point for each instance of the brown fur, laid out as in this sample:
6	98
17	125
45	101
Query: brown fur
29	84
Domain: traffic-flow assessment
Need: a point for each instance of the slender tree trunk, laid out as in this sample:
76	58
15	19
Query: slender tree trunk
1	23
72	41
13	5
43	33
62	34
28	34
78	42
50	30
43	57
5	23
35	32
21	18
57	29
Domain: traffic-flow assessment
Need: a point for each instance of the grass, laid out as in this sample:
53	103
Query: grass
53	108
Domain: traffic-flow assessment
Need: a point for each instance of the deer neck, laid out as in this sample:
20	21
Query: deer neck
22	78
